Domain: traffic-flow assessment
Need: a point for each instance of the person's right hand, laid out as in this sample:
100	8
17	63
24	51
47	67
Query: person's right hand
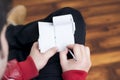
41	59
82	55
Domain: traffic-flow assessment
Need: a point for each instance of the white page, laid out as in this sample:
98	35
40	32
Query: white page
60	33
64	35
62	19
46	36
73	26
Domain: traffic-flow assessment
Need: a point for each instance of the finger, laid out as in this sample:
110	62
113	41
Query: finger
49	53
35	49
71	46
63	56
88	58
87	49
35	45
77	50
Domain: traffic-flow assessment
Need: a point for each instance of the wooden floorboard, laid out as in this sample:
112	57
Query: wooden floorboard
97	32
84	3
100	10
102	19
105	58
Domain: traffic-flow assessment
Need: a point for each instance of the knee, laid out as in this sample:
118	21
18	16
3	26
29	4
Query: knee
70	10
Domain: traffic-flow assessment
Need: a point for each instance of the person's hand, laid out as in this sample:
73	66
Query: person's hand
82	55
41	59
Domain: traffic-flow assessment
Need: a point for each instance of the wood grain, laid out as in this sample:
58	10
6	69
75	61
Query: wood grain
105	58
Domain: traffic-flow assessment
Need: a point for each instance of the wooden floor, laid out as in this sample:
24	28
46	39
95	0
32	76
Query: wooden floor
103	30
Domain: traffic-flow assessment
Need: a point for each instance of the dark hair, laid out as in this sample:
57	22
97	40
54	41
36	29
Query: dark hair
5	6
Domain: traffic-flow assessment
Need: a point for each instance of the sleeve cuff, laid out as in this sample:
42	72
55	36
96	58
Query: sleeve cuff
74	75
28	68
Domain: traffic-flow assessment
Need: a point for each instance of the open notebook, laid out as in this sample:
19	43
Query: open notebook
58	34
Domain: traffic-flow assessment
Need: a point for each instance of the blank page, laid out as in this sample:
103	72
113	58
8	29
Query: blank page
46	36
64	35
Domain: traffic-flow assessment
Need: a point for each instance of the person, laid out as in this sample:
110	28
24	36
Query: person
20	39
19	68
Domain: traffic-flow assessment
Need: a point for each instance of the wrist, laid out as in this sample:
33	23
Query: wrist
35	62
74	74
28	68
75	68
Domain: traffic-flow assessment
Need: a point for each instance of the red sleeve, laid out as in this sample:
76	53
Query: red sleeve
74	75
28	69
20	70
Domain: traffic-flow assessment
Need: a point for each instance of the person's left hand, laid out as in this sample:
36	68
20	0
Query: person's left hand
41	59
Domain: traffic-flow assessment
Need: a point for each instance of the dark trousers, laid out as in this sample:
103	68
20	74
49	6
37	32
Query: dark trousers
21	37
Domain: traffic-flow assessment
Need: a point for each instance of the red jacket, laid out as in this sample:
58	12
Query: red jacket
27	70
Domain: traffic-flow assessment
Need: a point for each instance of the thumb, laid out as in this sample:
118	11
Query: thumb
49	53
35	45
63	56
